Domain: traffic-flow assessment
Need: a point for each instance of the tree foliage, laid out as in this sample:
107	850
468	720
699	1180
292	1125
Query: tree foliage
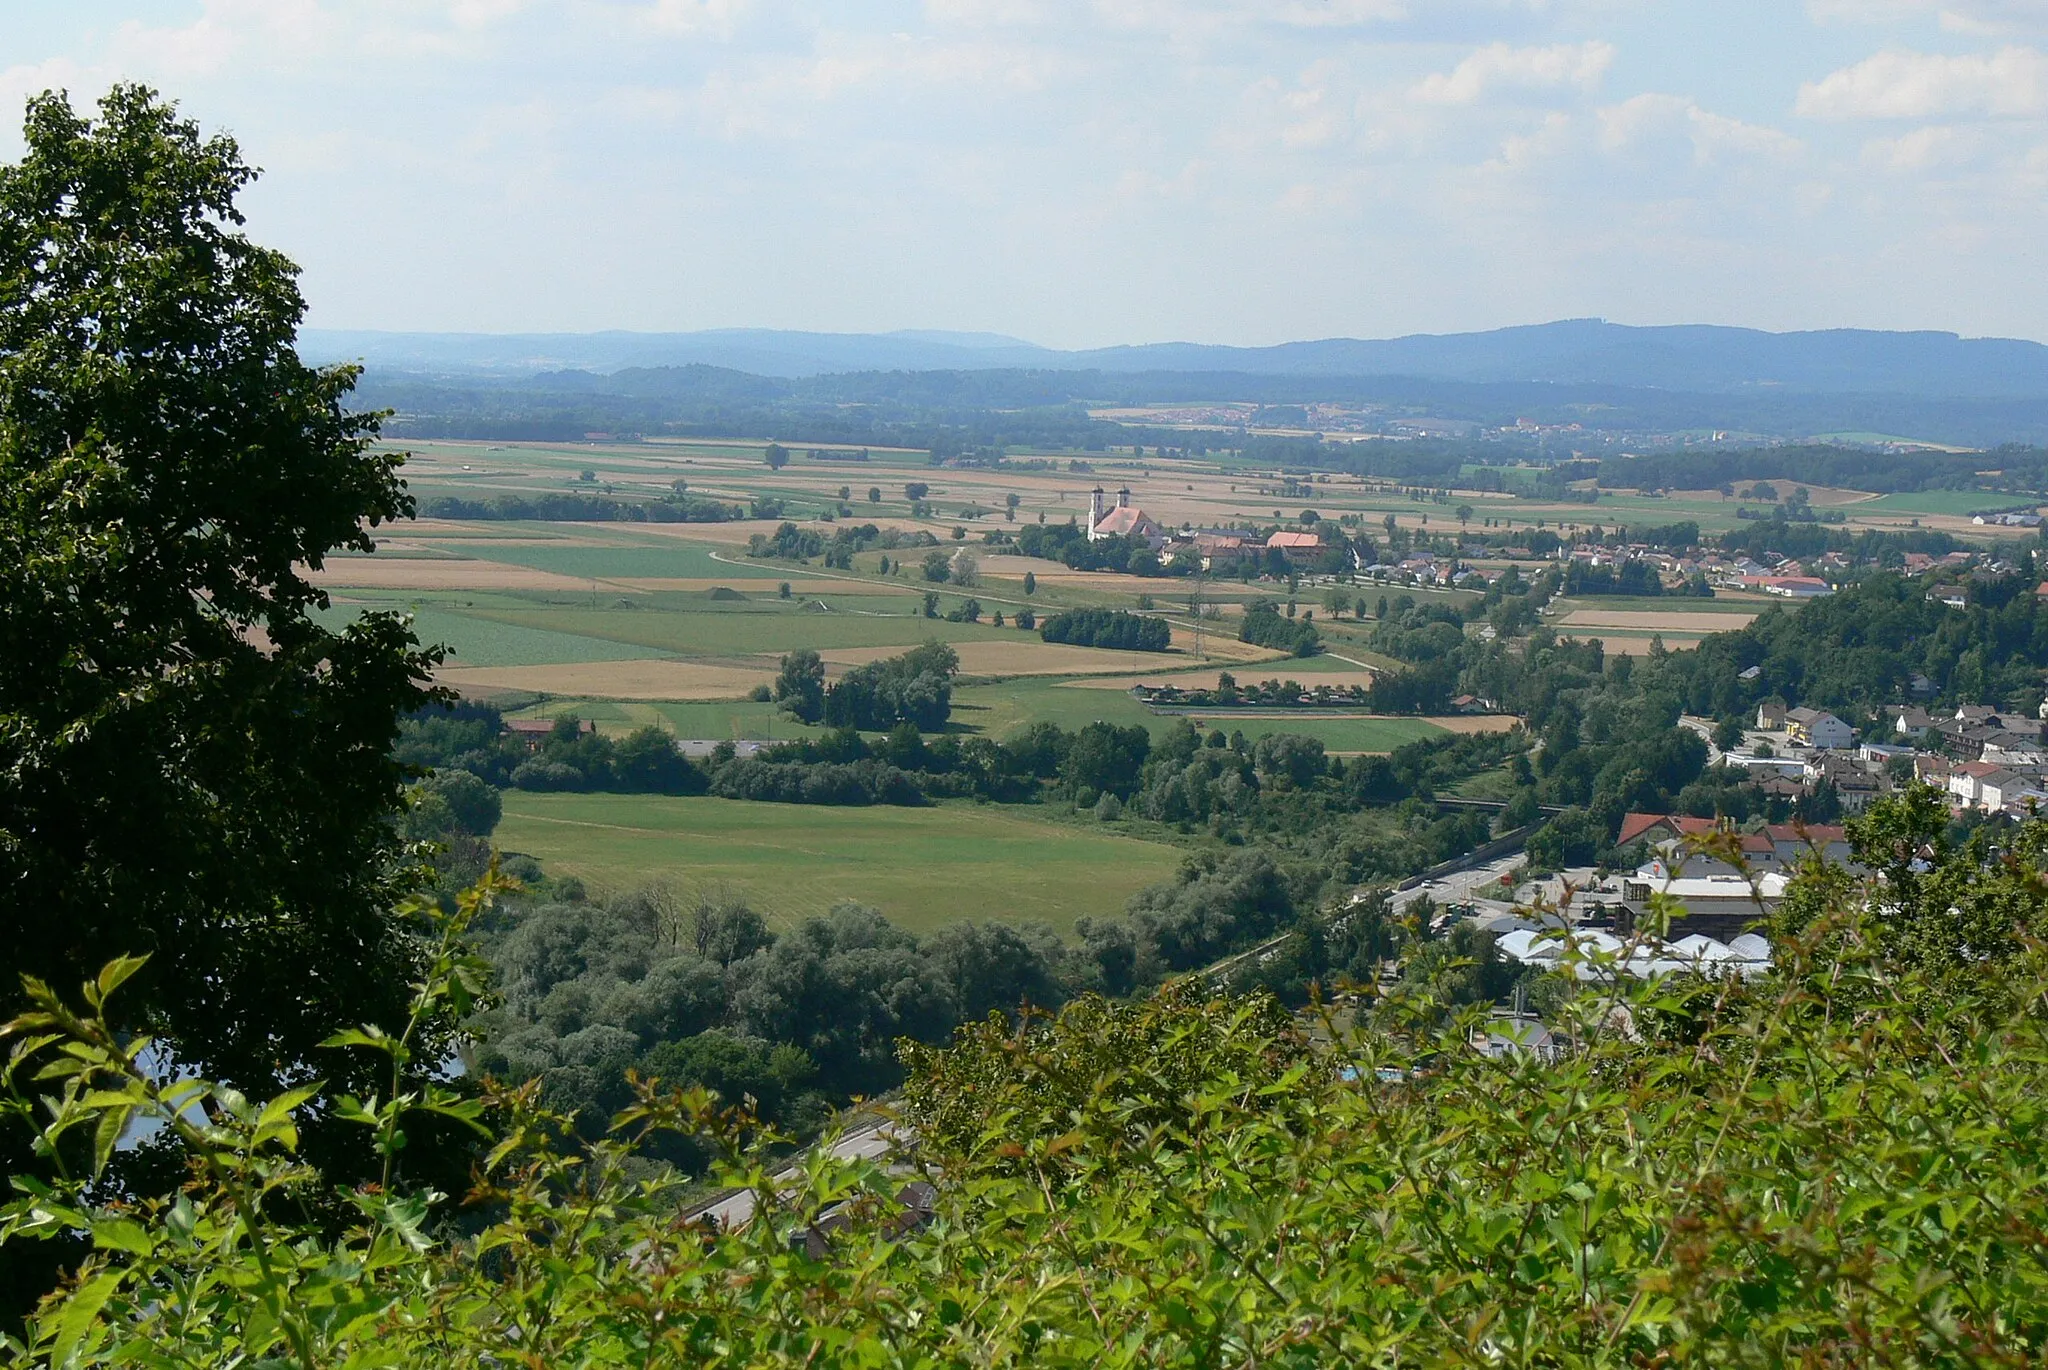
1108	628
1839	1164
195	761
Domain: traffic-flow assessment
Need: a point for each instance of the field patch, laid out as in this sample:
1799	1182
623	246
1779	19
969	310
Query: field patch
428	575
1476	723
1207	679
707	628
482	642
619	562
924	868
1026	656
1352	735
754	587
628	679
1658	621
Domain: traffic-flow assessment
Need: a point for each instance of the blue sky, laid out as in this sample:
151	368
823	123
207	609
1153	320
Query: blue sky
1085	172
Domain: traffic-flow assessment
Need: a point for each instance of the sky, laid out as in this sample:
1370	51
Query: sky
1089	172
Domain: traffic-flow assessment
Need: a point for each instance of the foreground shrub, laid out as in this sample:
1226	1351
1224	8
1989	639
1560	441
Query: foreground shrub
1841	1165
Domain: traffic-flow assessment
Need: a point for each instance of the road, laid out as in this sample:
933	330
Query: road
736	1208
1463	887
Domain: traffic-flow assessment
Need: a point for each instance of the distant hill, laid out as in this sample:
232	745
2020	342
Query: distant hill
1696	359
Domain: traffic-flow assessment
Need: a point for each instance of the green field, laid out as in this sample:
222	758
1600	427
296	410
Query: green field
657	557
924	868
1955	503
710	628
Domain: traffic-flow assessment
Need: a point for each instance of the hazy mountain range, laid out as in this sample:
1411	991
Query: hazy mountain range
1698	359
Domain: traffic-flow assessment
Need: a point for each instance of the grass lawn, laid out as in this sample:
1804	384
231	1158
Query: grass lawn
924	868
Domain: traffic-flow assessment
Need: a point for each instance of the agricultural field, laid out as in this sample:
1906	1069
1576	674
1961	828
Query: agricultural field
673	625
925	867
632	623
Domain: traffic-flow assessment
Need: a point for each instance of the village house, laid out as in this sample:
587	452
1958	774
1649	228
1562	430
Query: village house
534	732
1296	546
1818	728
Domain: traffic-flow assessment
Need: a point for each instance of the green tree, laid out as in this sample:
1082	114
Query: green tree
195	762
916	490
777	456
800	685
645	761
874	494
473	806
1030	583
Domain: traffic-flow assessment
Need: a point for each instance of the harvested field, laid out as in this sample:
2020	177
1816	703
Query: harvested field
1476	723
648	680
1223	646
1657	622
1027	656
372	573
1206	680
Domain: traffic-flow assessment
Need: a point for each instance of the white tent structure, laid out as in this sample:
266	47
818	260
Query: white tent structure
1596	954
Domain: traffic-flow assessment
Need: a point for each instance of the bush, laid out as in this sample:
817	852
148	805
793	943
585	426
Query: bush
547	775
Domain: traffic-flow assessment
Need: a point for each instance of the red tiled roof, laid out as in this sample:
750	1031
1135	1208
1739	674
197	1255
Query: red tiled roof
1294	540
1636	824
1818	833
1126	520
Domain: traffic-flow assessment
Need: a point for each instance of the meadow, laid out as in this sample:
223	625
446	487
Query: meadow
923	867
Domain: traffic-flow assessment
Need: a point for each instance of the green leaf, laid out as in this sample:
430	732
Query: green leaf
79	1316
122	1234
117	973
369	1037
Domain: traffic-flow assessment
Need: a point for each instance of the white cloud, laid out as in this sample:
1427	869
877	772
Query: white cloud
1958	16
1646	120
691	18
1935	147
1579	66
2009	83
985	13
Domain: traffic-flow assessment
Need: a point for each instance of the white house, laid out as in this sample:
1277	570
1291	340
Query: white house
1818	728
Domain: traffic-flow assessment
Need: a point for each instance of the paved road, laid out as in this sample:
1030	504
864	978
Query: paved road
736	1208
1463	886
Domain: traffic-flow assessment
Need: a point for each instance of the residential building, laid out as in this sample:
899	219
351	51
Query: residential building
1296	545
1818	728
